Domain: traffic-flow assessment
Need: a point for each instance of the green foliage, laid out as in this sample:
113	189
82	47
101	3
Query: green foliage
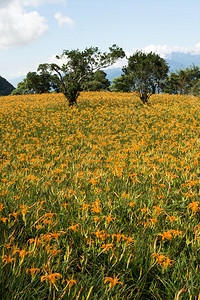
145	74
97	82
80	67
35	83
183	81
22	88
195	89
121	84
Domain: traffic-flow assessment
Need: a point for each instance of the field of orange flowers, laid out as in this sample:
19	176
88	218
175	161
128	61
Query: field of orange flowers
101	200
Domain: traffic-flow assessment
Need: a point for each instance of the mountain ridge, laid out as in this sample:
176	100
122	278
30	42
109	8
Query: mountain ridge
5	87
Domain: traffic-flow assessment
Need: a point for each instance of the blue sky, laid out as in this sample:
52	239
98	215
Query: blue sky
34	31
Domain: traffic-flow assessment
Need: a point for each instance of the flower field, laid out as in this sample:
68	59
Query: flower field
101	200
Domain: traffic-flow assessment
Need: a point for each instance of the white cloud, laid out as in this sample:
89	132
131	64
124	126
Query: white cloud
20	27
5	2
120	63
22	71
63	19
165	51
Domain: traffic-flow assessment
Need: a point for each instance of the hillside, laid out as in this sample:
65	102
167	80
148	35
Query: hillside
5	87
101	199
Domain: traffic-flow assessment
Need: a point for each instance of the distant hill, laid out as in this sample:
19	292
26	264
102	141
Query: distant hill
15	81
5	87
178	60
113	73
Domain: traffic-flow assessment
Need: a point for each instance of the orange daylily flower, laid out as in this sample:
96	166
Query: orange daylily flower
96	219
109	219
107	247
70	282
162	260
7	259
118	236
4	219
15	214
158	210
51	277
32	271
194	206
166	235
1	207
175	232
113	281
74	227
104	236
171	218
152	221
98	233
132	204
129	239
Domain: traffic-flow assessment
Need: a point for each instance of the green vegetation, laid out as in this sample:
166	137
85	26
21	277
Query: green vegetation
80	67
144	73
100	200
184	82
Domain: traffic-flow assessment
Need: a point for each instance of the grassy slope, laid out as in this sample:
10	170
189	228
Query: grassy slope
108	189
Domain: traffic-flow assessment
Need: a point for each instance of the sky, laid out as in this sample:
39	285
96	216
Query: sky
35	31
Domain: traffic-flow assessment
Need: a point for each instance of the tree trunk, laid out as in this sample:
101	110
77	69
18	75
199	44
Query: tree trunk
71	97
72	101
144	97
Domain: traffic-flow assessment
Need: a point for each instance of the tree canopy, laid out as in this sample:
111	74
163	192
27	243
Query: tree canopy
96	82
78	71
145	74
183	81
35	83
121	84
80	66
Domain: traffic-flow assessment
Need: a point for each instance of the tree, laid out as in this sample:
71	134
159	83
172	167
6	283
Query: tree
35	83
183	81
97	82
195	89
121	84
21	89
171	84
79	66
146	72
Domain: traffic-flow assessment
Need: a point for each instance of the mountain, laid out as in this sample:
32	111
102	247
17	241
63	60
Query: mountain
113	73
5	87
178	60
184	59
15	81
